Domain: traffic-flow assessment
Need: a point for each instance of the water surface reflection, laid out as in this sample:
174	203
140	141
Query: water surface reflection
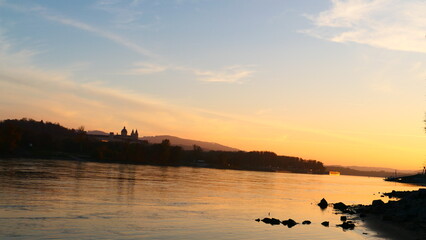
87	200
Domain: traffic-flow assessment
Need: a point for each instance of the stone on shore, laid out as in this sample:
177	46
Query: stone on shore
340	206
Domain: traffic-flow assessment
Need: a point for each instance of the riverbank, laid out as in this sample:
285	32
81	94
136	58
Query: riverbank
402	217
389	230
419	179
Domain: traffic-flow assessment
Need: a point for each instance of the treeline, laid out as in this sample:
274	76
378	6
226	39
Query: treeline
38	139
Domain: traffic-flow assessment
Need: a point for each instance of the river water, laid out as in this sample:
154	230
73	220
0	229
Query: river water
55	199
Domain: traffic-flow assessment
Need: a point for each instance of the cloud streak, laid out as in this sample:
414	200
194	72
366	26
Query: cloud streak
231	74
390	24
46	14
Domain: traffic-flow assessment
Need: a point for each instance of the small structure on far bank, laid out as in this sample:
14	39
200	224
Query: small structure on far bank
122	137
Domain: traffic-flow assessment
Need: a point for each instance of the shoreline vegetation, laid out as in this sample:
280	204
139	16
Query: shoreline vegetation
27	138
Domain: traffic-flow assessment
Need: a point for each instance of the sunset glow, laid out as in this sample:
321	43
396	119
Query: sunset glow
342	82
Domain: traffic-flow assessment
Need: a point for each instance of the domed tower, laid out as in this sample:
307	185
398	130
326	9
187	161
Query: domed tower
124	132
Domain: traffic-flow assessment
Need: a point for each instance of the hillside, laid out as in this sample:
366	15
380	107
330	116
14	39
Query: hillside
188	144
28	138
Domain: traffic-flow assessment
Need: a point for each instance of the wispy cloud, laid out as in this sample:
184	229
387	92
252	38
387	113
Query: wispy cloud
111	36
390	24
230	74
143	68
54	17
125	14
233	74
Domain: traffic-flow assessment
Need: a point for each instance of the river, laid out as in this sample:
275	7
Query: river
56	199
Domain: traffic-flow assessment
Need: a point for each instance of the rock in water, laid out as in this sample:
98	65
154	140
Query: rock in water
343	218
323	204
306	222
347	225
340	206
275	221
272	221
325	224
289	223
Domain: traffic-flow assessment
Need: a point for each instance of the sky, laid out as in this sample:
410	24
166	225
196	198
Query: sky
338	81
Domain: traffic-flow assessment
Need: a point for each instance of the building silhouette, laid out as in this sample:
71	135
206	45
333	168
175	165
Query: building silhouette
122	137
134	135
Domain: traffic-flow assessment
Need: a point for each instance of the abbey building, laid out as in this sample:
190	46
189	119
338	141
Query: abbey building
123	137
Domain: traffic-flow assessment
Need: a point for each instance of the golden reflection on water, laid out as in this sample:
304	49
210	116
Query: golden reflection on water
86	200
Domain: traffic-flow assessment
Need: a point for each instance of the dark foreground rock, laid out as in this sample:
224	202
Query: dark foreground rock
340	206
407	211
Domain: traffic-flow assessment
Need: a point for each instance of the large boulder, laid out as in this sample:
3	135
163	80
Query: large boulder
377	206
377	203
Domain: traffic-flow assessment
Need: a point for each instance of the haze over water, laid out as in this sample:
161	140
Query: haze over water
42	199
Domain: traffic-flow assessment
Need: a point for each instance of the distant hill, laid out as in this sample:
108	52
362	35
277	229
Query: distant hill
378	169
368	171
188	144
96	132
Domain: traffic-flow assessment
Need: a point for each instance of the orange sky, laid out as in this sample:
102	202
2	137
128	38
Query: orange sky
332	81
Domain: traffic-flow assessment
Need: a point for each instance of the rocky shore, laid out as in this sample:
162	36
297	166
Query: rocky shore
404	214
402	217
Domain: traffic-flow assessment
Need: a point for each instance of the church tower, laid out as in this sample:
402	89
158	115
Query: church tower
124	132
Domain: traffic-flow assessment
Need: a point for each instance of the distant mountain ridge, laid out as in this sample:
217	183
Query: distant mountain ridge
368	171
186	144
362	168
97	132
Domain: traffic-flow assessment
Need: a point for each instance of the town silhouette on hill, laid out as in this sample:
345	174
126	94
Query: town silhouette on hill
28	138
